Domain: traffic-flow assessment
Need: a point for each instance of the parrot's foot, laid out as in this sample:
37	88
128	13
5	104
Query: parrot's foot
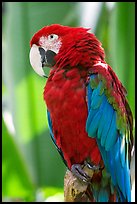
91	166
78	171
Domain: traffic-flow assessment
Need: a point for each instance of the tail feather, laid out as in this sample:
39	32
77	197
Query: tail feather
103	190
104	195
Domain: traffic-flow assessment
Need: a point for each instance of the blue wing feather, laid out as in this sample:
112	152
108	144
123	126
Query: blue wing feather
92	113
50	127
127	186
105	123
94	124
103	118
103	195
111	134
101	123
96	98
122	150
119	170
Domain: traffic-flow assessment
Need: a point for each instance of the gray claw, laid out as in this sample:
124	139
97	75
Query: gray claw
79	172
90	166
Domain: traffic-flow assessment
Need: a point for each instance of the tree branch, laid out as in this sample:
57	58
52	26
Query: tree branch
76	190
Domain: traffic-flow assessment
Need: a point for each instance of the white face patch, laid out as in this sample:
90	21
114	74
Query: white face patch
50	44
35	60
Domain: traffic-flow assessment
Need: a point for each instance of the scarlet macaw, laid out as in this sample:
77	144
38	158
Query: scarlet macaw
89	118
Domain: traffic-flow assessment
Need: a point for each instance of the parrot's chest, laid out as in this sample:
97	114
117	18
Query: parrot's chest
65	93
66	101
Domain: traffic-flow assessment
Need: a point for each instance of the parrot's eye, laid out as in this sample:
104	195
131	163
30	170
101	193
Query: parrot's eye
52	37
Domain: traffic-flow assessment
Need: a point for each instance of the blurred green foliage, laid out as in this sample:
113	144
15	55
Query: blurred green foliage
122	47
16	179
30	161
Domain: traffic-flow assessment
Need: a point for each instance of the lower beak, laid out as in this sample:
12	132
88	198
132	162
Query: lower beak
47	57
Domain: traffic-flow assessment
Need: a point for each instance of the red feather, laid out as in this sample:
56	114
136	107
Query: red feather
79	56
69	116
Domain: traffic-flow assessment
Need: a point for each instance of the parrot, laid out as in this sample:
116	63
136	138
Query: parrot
89	117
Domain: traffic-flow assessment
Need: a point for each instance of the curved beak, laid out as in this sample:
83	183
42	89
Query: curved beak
40	58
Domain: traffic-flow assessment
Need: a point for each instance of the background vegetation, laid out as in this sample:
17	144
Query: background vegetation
32	169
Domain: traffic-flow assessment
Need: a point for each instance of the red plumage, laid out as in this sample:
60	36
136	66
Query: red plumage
78	57
69	116
65	95
79	52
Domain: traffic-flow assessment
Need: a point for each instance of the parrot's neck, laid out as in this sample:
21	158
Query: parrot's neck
84	52
76	73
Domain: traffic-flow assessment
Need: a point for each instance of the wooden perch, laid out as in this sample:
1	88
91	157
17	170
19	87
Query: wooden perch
75	190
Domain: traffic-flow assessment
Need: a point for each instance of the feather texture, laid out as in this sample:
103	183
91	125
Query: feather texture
109	139
88	113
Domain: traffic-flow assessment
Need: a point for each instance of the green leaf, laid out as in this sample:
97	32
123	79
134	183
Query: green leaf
50	191
122	46
25	88
116	31
16	182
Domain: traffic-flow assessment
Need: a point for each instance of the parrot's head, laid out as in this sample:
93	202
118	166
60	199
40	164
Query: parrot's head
59	47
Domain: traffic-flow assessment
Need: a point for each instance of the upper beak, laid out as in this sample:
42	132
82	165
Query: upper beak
39	58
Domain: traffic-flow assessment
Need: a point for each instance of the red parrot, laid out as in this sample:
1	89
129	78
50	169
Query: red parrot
89	117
